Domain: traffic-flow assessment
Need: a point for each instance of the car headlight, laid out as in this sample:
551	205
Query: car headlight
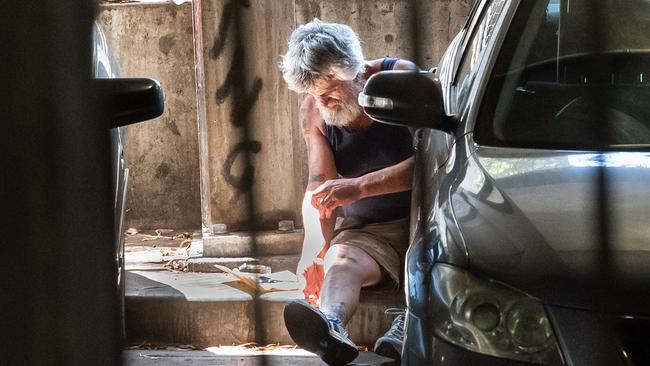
490	318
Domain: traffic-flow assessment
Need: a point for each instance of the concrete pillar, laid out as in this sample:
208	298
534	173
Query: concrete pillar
157	41
278	155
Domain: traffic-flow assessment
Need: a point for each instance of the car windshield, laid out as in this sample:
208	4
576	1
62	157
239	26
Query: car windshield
571	74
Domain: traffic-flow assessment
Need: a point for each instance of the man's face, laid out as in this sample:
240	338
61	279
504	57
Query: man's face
337	100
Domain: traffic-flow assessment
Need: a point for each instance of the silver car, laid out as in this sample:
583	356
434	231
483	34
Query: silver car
530	235
125	101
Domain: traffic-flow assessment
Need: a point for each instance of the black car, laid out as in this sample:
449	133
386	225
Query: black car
529	225
126	101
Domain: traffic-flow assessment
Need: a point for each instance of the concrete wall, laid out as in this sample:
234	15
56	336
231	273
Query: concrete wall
170	156
383	25
279	155
163	155
274	146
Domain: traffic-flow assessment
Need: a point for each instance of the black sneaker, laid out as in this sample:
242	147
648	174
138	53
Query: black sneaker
315	332
390	344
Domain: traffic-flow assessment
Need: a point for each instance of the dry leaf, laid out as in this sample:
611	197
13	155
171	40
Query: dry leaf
188	346
246	283
183	236
131	231
146	345
177	264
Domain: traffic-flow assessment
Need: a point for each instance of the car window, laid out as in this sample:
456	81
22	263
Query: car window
559	84
478	41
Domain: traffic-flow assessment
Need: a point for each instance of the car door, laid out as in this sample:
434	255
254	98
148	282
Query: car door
440	157
464	84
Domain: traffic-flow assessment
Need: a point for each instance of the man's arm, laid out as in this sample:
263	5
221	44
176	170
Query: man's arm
339	192
374	66
405	65
318	231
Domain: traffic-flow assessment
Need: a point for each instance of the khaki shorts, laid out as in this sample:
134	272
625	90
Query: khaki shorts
385	242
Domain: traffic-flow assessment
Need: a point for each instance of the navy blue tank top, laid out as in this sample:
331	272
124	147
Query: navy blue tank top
359	153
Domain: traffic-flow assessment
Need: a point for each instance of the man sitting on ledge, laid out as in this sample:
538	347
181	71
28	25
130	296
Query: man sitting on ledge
359	171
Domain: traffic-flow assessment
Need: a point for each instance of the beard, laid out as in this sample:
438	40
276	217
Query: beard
346	110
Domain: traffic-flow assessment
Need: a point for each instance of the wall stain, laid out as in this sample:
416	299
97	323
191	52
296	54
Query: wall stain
162	171
242	99
390	10
172	126
165	43
310	9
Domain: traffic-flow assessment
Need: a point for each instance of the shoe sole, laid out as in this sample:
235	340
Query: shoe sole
388	350
308	328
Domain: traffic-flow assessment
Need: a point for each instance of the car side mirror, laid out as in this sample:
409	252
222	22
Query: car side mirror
406	98
130	100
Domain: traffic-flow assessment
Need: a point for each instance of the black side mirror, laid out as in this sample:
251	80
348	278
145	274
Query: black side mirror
406	98
130	100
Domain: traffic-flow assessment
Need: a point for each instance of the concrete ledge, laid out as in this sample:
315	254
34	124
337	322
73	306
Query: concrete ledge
278	263
198	323
206	265
239	244
163	307
169	308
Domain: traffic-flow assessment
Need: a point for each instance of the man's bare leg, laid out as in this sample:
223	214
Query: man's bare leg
347	270
322	331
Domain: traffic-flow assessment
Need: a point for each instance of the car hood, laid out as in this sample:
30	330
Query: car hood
530	219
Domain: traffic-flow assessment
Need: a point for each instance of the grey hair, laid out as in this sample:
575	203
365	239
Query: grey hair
321	51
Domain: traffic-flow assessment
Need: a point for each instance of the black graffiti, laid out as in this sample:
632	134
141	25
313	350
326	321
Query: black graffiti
244	182
242	100
227	19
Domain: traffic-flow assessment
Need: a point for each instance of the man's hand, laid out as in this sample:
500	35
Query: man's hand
334	193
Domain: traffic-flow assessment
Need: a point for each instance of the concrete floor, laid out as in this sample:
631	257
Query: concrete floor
236	357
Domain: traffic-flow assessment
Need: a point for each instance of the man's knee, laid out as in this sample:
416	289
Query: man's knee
343	255
352	259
